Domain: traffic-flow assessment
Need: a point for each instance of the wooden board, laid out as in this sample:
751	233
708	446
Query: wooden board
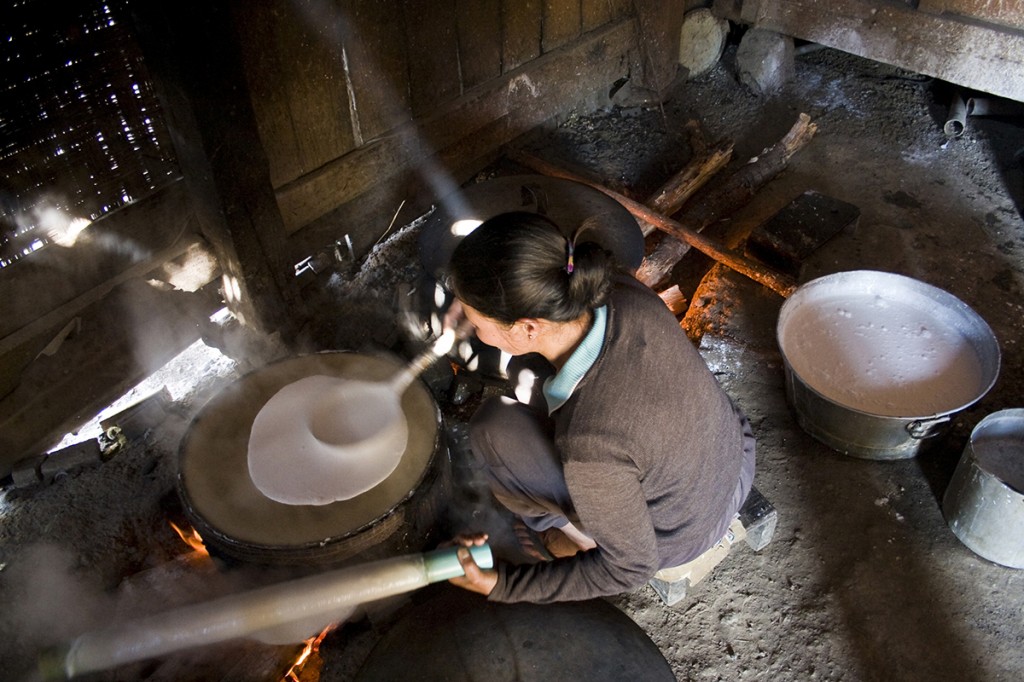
521	21
561	23
660	24
377	67
297	84
595	13
966	53
479	27
1007	12
800	228
430	30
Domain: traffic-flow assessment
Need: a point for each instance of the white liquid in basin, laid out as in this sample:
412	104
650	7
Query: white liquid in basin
882	356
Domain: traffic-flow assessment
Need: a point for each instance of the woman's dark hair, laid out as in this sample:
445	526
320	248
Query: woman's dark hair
516	265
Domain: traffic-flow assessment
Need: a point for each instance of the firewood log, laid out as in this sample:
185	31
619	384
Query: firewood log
726	199
706	161
776	281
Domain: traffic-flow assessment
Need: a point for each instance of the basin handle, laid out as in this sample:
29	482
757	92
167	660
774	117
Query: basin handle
925	428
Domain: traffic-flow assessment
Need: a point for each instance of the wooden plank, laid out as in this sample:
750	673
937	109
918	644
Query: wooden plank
521	26
1006	12
297	84
265	77
597	13
317	89
799	229
147	230
377	67
660	25
561	23
486	118
479	28
895	34
430	27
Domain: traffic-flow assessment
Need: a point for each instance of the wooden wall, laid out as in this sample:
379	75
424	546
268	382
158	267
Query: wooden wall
977	44
354	94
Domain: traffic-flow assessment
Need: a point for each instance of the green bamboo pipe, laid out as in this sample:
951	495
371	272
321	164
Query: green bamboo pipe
324	599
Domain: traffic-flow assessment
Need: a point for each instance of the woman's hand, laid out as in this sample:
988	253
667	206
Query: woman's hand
454	317
476	579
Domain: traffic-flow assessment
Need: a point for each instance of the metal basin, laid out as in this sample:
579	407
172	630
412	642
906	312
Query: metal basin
877	363
984	503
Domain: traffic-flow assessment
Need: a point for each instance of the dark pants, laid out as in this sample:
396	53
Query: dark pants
515	444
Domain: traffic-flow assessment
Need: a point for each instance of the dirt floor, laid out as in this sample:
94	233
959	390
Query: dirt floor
863	579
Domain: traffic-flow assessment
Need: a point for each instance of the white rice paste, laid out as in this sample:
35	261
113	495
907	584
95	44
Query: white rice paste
882	356
322	439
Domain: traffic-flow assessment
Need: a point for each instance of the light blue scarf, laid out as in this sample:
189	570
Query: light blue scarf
558	388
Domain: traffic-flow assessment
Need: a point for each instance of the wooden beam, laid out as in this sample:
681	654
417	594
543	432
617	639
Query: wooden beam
520	100
61	314
981	56
191	50
997	11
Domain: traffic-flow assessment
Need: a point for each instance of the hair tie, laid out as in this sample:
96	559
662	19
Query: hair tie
571	242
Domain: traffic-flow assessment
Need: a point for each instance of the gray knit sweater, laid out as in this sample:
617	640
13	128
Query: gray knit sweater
652	450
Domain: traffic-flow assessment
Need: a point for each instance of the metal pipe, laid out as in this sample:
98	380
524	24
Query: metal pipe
960	108
956	119
248	614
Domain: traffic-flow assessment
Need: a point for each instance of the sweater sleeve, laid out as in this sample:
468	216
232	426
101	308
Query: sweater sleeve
610	504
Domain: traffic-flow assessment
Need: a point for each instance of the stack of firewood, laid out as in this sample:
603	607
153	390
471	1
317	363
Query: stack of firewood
671	227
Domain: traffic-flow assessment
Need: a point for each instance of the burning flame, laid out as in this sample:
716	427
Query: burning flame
312	646
192	539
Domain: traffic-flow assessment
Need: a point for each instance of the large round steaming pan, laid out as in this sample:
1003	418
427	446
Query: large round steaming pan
984	503
233	516
877	363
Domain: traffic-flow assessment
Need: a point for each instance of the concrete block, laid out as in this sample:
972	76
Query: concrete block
70	459
759	518
764	60
26	472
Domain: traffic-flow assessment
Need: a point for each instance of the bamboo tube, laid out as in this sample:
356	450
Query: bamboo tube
249	614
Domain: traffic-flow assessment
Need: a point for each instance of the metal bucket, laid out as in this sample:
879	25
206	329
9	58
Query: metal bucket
984	503
876	363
